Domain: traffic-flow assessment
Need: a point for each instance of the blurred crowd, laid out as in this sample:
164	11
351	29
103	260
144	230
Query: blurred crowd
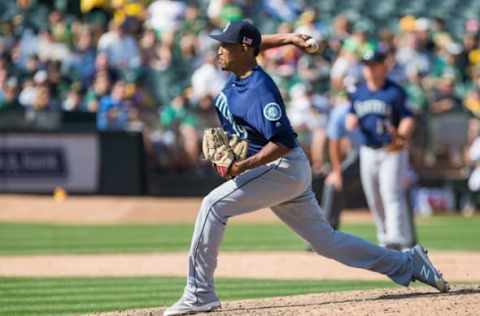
150	66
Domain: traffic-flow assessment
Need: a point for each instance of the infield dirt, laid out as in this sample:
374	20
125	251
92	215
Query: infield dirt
463	300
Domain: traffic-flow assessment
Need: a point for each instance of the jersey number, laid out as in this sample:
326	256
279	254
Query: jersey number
380	127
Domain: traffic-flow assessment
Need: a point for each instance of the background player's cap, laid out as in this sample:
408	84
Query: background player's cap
376	55
239	32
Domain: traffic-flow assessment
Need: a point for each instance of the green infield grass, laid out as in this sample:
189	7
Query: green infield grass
74	296
440	233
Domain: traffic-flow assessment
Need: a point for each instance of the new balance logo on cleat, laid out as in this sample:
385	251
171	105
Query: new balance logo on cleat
425	272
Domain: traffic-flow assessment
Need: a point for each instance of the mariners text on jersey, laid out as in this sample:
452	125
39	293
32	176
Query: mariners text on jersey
378	111
221	104
253	109
379	107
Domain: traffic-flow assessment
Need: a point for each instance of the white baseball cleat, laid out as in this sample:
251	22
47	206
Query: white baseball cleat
424	271
183	307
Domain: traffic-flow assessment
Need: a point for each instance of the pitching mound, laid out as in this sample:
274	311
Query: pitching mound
461	301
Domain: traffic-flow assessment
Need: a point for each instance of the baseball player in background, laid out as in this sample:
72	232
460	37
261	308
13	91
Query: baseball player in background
275	174
378	108
343	150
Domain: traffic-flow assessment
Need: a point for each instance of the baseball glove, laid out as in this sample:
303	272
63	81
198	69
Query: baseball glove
397	144
223	151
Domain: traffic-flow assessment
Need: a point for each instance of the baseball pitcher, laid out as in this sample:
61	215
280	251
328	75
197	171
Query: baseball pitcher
275	174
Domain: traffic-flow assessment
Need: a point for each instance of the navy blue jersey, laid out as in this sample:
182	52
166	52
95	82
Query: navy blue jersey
253	109
377	111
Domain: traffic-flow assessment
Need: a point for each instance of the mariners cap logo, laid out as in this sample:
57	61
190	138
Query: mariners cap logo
272	111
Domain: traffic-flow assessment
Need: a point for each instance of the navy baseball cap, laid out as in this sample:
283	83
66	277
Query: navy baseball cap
239	32
377	55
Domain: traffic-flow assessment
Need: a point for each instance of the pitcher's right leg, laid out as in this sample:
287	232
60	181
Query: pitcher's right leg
255	189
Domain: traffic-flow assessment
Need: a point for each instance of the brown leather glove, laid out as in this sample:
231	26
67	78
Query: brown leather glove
398	143
221	151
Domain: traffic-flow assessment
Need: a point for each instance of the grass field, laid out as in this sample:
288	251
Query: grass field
441	233
73	296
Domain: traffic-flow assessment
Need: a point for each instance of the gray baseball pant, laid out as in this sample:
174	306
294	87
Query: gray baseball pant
283	185
382	175
332	199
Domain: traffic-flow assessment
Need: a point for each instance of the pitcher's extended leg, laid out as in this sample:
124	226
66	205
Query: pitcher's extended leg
304	217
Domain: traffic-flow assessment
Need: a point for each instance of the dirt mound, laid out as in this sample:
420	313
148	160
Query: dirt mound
461	301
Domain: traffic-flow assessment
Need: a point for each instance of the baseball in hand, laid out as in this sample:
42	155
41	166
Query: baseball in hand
312	46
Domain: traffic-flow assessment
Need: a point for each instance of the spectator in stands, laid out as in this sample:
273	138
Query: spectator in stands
180	125
120	47
162	73
8	94
113	113
308	24
60	29
422	31
165	16
27	93
36	94
82	63
281	62
419	104
58	83
315	69
188	60
308	114
50	50
207	80
409	54
341	30
206	83
223	11
472	102
102	65
73	99
444	102
397	71
444	99
346	69
147	44
193	23
95	93
470	43
282	10
31	66
43	101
